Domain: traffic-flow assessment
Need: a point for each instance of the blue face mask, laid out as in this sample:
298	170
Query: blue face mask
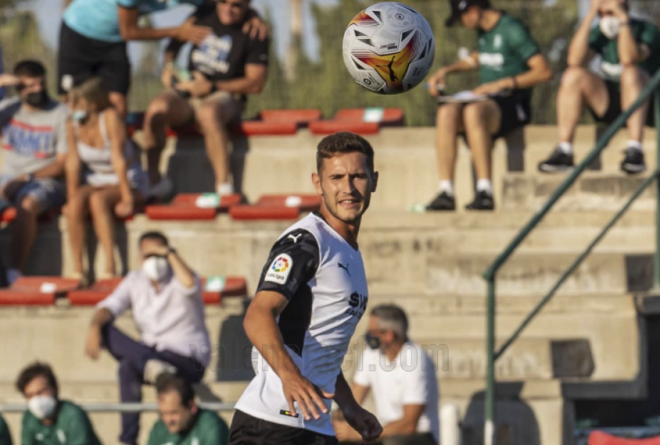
79	115
372	341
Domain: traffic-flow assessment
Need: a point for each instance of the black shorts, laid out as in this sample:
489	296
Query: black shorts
516	109
80	58
614	106
248	430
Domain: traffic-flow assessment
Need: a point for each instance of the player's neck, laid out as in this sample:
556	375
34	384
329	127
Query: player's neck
489	19
347	231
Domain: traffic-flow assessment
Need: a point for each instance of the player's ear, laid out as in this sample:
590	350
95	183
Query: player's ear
374	182
316	180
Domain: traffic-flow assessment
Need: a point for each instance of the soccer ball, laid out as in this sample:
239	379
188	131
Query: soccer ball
389	48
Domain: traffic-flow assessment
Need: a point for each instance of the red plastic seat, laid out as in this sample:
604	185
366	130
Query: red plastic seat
183	208
352	119
274	207
37	291
233	287
9	215
265	128
601	438
301	118
95	294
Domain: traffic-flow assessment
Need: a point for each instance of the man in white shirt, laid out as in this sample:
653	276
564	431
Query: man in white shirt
168	309
403	379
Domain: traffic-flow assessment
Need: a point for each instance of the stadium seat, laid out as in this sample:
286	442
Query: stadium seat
37	291
183	208
264	128
601	438
277	207
9	215
302	118
93	295
364	121
216	288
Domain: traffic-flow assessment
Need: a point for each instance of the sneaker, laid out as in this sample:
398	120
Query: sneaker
633	163
163	189
442	203
155	368
557	162
483	201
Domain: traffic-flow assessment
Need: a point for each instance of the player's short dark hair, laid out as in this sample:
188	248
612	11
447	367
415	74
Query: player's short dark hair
36	369
169	382
154	236
29	68
392	315
343	143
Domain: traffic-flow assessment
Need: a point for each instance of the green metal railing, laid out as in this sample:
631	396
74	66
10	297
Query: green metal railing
490	274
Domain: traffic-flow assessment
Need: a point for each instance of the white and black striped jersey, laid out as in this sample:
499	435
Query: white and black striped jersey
323	278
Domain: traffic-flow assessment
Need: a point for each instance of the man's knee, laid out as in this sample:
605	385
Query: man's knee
449	114
29	207
574	78
98	202
158	107
475	114
632	77
210	115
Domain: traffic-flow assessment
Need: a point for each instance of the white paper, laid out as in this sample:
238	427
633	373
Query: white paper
207	201
215	284
293	201
373	115
463	97
48	288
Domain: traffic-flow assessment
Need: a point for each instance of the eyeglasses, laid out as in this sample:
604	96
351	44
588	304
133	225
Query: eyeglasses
234	5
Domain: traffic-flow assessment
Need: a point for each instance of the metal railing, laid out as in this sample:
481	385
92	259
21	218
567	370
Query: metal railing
490	274
119	407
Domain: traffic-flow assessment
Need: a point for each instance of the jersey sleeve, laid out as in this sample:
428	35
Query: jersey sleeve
650	36
79	428
292	262
597	40
522	42
257	52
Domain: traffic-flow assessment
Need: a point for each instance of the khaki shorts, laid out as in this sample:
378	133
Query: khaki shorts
231	104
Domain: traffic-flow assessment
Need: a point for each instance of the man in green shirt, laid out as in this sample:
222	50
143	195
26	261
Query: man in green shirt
49	420
510	64
182	422
629	50
5	437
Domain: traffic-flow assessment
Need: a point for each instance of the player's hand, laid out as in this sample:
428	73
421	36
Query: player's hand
124	208
255	26
309	397
614	7
9	80
344	432
365	423
93	343
490	88
155	249
595	6
435	81
189	32
200	86
168	76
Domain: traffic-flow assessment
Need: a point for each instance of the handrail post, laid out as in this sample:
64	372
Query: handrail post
489	427
656	173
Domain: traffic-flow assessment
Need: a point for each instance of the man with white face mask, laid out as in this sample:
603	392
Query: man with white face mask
165	296
629	50
49	420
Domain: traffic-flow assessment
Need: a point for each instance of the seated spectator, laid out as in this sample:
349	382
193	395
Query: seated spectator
629	50
49	420
225	68
34	142
104	174
5	436
510	64
406	399
168	310
182	422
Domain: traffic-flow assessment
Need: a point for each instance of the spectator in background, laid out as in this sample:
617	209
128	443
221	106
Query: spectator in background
510	64
5	436
93	40
34	142
166	299
630	51
406	398
182	422
49	420
104	174
225	68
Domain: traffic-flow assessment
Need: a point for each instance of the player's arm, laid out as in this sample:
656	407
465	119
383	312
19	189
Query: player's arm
130	30
579	51
469	63
252	83
539	72
406	425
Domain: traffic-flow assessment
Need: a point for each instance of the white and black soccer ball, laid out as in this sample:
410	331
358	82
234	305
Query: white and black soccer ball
389	48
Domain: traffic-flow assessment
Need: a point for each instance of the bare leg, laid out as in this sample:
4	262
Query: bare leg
118	101
102	204
482	120
25	232
578	86
166	109
449	123
633	81
77	209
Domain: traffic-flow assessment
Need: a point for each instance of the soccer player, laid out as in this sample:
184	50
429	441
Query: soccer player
629	50
311	296
510	63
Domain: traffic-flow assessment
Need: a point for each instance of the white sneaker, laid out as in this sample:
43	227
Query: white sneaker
154	368
13	275
163	189
225	189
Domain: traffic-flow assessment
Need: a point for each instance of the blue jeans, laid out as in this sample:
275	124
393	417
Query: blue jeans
132	357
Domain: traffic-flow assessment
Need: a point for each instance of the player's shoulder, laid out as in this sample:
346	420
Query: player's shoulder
308	230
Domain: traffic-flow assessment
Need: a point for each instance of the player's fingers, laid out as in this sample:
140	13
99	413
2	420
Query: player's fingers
315	395
311	401
304	404
292	406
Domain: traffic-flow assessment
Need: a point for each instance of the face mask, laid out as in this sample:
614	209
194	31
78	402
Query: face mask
79	115
156	268
610	26
42	407
372	341
37	99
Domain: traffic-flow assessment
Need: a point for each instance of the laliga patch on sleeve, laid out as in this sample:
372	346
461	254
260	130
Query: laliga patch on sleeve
278	272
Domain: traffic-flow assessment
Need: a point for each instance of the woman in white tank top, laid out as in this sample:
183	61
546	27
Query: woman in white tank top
103	173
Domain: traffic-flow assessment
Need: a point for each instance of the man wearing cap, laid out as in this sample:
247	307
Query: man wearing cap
510	64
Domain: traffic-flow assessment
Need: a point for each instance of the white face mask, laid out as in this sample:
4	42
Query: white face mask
156	268
42	407
610	26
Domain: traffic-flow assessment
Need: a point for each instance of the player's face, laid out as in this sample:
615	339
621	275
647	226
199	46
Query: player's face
346	183
232	12
149	247
176	416
38	386
470	18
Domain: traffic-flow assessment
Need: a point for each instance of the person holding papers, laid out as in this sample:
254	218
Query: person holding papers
510	64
